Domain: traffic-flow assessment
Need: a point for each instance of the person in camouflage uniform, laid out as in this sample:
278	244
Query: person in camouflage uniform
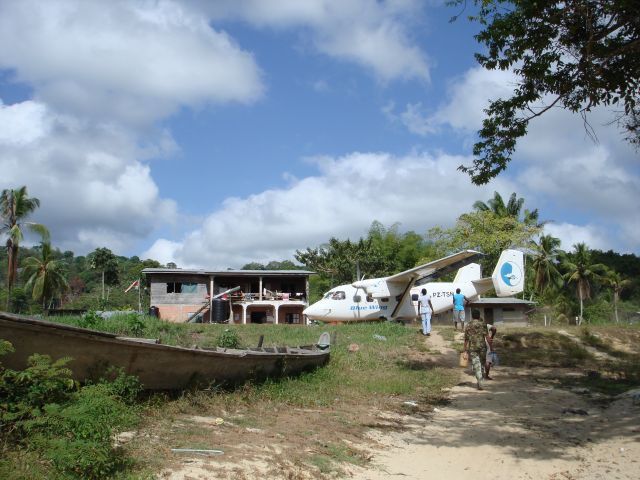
475	345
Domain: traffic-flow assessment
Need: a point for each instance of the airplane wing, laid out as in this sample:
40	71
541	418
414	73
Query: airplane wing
444	265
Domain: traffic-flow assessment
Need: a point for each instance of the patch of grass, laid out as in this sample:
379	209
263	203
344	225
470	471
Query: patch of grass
540	349
322	463
334	454
547	348
446	332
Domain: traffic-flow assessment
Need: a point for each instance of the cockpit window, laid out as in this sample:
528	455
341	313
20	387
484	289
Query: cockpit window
335	295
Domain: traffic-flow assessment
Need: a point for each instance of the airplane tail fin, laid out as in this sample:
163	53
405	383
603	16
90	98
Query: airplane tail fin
468	273
508	276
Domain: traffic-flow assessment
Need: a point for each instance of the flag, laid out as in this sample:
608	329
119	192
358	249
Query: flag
135	284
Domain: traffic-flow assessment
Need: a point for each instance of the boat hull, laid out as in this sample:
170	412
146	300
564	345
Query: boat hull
159	367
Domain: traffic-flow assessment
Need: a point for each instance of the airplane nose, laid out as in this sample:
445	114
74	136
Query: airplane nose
314	311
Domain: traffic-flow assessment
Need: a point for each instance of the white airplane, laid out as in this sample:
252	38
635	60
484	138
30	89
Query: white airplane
394	297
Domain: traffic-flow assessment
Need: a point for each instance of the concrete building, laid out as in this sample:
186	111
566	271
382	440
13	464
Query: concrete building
265	296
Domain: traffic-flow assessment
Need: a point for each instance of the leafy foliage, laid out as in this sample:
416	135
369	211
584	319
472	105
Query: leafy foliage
574	54
545	260
228	339
486	232
65	426
383	252
582	272
45	275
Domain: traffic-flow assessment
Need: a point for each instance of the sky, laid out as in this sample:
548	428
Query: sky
217	133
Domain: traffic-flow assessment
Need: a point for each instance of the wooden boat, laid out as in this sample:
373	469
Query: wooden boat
159	367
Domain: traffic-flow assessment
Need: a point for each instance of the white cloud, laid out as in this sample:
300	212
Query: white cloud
418	190
103	74
467	97
128	61
373	34
92	189
22	123
593	236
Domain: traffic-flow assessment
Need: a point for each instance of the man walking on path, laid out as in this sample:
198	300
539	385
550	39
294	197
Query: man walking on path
459	302
424	310
475	344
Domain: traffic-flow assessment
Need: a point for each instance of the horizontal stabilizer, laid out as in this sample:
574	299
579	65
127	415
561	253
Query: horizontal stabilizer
483	285
468	273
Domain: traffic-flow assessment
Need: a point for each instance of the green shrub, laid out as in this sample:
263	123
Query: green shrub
89	319
598	312
25	393
228	339
76	437
136	323
67	430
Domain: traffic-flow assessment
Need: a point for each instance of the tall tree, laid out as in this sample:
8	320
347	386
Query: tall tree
45	276
574	54
15	207
544	262
104	261
617	283
581	272
484	231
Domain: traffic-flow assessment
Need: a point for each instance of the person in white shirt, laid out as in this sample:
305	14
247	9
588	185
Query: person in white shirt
425	309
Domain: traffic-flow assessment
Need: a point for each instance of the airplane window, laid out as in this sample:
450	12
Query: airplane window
369	297
328	295
357	298
339	295
385	299
414	297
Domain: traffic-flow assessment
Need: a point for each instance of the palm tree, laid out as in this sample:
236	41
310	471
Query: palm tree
614	280
581	272
45	275
545	263
15	207
513	208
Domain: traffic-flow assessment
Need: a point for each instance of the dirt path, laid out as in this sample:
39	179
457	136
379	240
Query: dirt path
522	426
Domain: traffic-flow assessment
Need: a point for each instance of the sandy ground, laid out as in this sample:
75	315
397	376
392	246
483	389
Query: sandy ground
522	426
514	429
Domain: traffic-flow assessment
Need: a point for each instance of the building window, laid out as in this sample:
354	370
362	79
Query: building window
189	288
179	287
292	318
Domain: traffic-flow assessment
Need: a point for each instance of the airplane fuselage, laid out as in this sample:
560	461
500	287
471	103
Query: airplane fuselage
350	304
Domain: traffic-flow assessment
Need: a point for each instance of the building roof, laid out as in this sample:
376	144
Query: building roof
501	301
228	273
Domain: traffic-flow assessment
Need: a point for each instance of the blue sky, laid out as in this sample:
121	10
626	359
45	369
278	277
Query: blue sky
217	133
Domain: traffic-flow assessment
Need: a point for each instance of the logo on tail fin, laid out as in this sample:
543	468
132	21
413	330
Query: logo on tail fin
510	274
